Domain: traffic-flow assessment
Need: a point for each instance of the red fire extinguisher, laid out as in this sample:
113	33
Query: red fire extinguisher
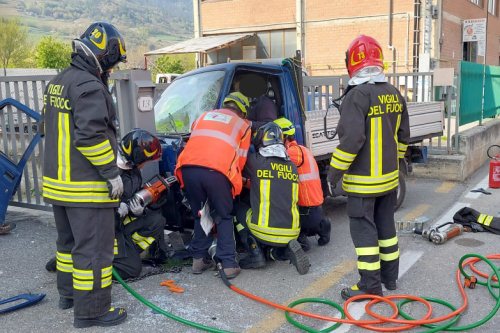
494	155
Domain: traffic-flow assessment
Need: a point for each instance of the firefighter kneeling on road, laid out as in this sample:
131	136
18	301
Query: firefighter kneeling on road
138	228
312	221
209	171
271	223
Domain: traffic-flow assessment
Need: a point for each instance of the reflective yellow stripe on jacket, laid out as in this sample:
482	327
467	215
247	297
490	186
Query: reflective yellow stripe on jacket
99	154
377	181
76	191
485	219
370	184
263	230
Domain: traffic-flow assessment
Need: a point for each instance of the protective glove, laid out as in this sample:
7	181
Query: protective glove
115	187
136	207
333	179
122	210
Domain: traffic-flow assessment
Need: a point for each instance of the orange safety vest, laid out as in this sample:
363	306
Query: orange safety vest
219	141
310	191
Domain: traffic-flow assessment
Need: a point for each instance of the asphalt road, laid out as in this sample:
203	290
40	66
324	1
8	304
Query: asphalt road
426	270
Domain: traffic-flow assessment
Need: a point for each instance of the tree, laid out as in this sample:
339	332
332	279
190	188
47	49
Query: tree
177	63
13	39
52	53
166	64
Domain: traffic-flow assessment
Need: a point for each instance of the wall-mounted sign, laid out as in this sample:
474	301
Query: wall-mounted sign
474	30
145	103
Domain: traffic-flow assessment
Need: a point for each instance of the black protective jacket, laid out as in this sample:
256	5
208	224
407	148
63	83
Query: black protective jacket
273	197
80	137
374	132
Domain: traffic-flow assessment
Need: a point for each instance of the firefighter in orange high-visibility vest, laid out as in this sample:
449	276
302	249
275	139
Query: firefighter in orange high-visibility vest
209	170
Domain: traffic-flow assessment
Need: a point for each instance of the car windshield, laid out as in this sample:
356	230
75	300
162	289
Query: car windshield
185	100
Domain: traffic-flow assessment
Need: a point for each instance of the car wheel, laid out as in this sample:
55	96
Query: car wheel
401	190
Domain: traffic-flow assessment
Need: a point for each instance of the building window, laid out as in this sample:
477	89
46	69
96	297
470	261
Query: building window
470	51
276	44
477	2
492	7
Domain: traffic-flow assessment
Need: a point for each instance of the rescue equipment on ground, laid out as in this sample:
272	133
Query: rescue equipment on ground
447	321
172	286
441	233
10	171
494	155
152	191
29	299
475	221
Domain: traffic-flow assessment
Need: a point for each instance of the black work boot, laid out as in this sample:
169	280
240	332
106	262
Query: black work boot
51	265
304	242
347	293
113	317
255	257
65	303
298	257
325	228
390	285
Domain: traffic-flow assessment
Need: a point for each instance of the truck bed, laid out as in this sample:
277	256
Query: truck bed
426	121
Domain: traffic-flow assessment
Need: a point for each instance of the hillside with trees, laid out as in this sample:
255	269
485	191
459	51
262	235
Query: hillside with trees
38	33
145	23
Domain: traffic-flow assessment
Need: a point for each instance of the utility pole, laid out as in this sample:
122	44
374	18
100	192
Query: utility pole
299	18
197	26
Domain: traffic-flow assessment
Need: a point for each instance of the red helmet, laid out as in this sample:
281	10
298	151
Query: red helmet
363	51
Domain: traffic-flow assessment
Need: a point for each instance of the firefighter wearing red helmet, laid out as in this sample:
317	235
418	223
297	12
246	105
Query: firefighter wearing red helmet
80	176
373	132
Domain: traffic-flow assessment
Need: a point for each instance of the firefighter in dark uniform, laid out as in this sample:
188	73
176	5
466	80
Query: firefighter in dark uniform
374	133
80	176
271	223
138	228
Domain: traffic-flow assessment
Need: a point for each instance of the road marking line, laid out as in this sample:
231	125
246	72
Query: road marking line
357	310
416	212
445	187
448	216
483	183
317	288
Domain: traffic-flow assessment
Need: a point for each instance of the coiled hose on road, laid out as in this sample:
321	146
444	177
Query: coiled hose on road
447	321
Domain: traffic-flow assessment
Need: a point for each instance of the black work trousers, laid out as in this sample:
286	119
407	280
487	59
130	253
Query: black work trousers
137	235
310	220
84	257
202	184
374	236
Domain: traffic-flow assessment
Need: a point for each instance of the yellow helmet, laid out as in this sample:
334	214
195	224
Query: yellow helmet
286	126
239	99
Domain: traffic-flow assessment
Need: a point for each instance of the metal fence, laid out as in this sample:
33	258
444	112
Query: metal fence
479	92
17	131
415	87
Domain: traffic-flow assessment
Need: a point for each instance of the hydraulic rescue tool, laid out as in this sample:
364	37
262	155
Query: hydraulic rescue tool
151	192
439	234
